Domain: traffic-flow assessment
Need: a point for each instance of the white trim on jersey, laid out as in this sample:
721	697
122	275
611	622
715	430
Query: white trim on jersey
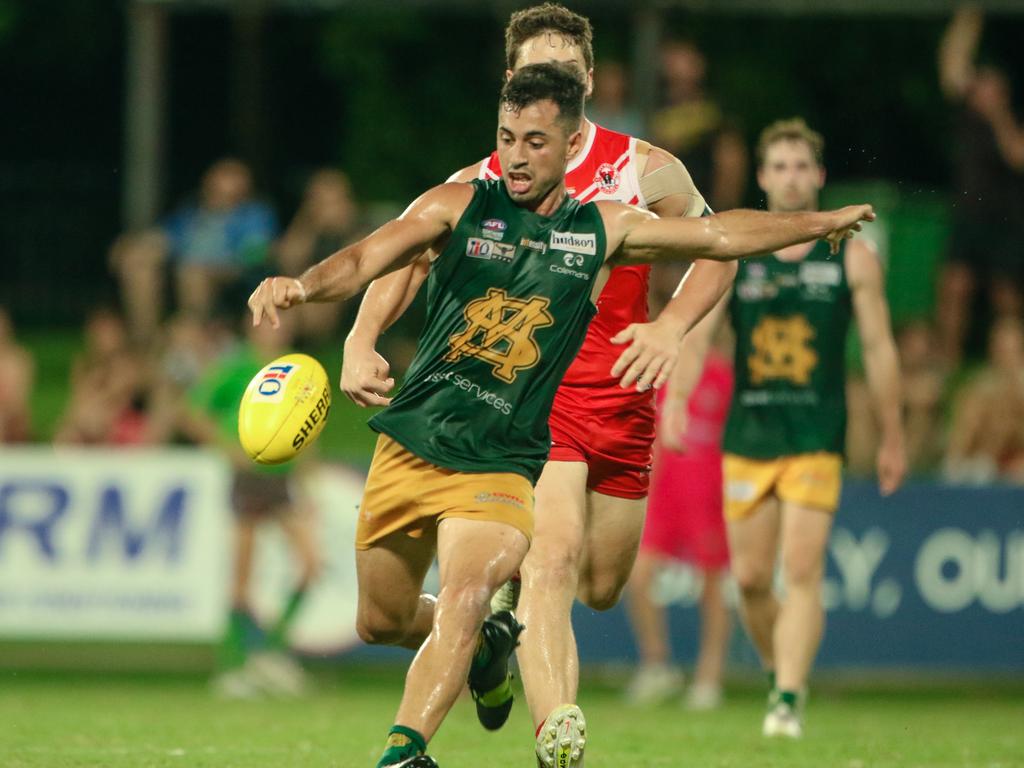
633	166
485	171
577	161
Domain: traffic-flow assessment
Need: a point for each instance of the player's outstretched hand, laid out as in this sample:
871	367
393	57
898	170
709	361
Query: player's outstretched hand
272	294
846	221
891	466
651	355
364	376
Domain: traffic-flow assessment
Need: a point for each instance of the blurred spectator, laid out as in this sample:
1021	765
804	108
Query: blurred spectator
987	242
684	523
610	106
987	439
924	385
211	244
327	220
693	127
108	388
17	373
260	494
190	346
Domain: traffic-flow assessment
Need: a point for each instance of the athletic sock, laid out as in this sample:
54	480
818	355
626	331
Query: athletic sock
402	744
233	648
788	697
771	680
279	634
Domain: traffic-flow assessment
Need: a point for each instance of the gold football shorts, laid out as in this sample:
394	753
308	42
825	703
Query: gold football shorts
405	493
809	479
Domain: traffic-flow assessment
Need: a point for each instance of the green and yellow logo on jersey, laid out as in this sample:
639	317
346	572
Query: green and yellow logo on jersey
782	350
500	330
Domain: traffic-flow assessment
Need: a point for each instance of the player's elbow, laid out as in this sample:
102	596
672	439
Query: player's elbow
723	245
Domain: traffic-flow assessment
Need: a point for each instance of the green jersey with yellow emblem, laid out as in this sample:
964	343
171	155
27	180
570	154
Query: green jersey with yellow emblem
508	303
791	320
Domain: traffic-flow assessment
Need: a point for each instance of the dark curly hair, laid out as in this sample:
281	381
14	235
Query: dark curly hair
549	17
559	83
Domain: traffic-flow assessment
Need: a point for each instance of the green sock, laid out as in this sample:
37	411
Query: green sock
279	634
771	680
402	744
788	697
233	650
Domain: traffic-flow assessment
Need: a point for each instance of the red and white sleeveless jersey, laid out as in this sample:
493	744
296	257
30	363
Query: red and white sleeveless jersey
605	169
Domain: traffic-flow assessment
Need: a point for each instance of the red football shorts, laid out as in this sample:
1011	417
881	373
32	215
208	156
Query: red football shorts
616	447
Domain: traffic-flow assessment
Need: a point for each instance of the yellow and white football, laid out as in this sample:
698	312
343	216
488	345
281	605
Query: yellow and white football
283	409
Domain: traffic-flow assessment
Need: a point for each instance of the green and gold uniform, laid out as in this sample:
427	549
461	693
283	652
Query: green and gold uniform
508	303
787	424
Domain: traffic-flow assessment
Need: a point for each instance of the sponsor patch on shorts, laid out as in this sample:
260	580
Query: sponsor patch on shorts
497	497
740	490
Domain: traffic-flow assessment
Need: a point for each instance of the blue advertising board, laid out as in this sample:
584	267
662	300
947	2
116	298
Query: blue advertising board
932	577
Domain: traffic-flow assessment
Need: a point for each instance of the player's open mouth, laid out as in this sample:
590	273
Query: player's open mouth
519	182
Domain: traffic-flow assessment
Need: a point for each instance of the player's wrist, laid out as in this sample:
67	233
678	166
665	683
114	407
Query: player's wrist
302	290
360	339
677	326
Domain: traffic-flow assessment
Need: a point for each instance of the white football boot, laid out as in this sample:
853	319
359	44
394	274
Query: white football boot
782	720
653	684
562	738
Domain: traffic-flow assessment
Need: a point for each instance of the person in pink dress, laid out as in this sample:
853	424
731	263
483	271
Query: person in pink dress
685	523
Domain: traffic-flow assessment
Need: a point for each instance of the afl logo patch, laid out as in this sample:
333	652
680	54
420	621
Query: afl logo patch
493	228
607	178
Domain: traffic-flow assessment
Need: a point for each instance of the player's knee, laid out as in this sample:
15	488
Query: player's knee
379	628
551	560
803	572
752	581
601	597
602	592
461	608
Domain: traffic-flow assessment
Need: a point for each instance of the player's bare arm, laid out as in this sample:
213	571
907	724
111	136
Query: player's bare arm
635	236
365	378
653	347
426	223
881	362
683	380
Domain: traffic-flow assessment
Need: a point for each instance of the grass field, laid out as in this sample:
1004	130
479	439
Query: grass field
51	720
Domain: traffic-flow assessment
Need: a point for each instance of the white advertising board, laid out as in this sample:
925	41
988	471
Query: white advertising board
108	544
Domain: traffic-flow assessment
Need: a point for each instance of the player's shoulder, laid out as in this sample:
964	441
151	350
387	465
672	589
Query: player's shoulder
487	168
652	157
446	201
862	261
615	212
603	140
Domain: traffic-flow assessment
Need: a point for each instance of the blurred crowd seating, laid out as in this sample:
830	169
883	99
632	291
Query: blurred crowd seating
956	279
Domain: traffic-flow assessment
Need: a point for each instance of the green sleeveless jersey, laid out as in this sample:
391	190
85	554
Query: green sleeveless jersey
791	320
508	303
